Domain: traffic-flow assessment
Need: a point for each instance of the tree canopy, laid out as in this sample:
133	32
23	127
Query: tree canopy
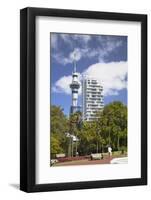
58	128
109	129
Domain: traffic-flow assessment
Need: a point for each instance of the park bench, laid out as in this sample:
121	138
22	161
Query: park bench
60	155
96	156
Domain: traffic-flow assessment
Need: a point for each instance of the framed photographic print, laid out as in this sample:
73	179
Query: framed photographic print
83	99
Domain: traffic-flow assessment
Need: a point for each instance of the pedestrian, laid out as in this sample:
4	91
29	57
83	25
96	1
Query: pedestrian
110	151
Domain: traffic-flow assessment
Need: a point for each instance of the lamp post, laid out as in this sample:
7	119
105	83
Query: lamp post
72	139
70	143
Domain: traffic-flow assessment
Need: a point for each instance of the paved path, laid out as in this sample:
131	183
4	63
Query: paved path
106	160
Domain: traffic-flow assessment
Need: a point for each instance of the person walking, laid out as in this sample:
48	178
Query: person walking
110	151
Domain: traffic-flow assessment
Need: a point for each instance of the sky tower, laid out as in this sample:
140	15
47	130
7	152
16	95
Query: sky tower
75	85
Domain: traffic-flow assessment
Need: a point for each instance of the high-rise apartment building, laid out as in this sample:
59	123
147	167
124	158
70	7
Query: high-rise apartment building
92	98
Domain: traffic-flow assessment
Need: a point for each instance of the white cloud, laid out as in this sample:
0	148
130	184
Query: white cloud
72	39
66	38
111	76
76	54
83	38
86	52
63	85
54	40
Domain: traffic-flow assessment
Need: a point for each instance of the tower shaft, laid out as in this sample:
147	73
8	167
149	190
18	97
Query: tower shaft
75	85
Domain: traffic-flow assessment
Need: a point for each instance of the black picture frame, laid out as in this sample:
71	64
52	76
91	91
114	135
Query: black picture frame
28	98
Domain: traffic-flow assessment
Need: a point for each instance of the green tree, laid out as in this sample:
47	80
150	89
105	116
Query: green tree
75	120
90	138
55	146
110	128
58	128
113	124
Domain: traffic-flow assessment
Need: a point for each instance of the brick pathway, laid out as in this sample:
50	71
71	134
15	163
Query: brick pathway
106	160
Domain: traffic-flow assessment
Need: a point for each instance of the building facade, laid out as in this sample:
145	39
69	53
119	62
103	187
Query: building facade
92	98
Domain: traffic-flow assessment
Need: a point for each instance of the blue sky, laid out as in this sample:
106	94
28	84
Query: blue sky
103	57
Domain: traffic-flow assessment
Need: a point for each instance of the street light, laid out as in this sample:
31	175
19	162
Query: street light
70	143
73	139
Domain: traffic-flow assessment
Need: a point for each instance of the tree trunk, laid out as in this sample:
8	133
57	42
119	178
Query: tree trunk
118	142
97	147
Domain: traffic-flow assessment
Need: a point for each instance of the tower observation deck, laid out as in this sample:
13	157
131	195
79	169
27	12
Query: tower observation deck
75	85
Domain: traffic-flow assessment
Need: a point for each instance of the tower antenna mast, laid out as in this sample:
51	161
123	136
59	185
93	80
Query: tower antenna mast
74	60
